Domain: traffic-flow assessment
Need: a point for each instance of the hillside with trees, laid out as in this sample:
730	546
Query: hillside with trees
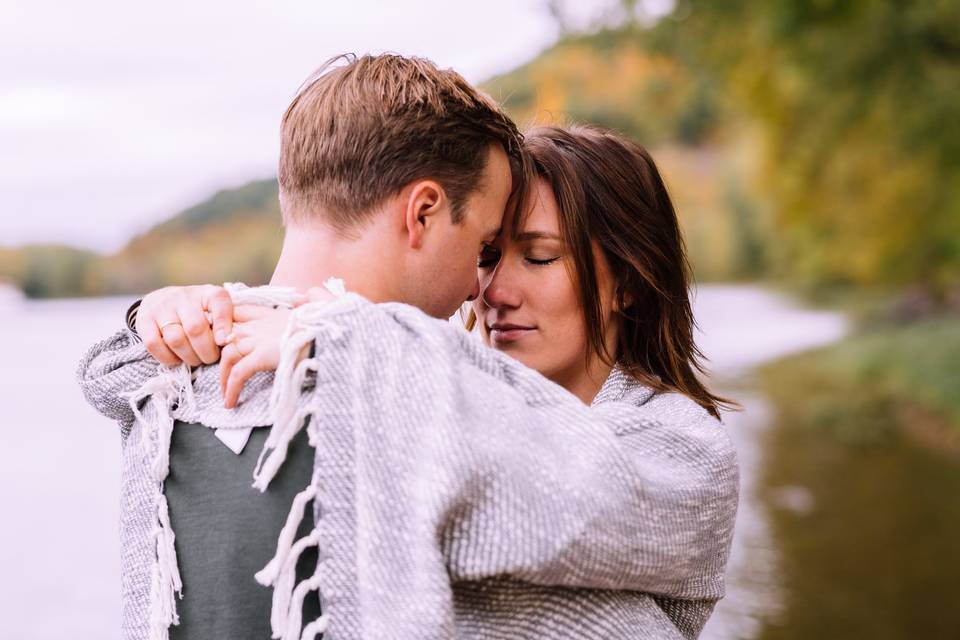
814	144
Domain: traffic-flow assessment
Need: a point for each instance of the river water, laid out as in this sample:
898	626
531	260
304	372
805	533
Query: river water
58	483
743	327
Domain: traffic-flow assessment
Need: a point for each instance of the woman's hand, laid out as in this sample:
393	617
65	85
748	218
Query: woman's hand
253	346
185	324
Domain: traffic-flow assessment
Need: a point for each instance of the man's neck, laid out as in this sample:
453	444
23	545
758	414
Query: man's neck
312	254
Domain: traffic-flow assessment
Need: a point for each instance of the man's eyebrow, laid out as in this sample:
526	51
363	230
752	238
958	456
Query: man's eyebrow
537	235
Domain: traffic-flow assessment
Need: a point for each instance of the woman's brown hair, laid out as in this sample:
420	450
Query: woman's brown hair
609	192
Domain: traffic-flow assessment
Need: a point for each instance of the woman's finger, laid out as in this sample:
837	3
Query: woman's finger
153	341
218	302
245	345
239	374
254	345
176	340
197	328
248	312
242	330
229	356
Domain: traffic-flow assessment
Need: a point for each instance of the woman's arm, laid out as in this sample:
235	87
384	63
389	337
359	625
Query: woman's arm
112	368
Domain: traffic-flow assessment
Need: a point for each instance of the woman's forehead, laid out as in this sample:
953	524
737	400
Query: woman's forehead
542	215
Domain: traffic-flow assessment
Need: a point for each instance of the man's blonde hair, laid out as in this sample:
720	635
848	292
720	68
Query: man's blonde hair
360	129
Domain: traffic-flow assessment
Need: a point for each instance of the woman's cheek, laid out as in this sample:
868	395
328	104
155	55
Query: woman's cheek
568	335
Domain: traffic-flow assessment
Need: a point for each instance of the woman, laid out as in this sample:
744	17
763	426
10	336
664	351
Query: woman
588	286
594	275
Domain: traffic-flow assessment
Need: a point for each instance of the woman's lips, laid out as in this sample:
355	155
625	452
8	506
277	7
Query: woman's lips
508	333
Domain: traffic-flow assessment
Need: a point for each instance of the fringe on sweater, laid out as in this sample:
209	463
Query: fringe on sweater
154	405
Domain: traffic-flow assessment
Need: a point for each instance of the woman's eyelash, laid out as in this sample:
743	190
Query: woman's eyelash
542	262
489	258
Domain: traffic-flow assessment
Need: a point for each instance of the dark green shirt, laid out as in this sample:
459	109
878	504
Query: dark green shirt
226	531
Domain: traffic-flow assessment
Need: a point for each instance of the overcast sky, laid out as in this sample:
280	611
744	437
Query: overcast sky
115	115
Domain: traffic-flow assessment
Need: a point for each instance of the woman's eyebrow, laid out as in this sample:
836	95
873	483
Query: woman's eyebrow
537	235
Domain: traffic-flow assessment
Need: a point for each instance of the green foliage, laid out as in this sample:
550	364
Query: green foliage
612	78
857	101
916	361
875	372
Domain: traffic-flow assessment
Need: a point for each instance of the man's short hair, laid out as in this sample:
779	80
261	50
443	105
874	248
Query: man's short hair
360	129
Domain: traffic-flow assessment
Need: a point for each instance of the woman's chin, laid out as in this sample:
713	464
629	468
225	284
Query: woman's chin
518	351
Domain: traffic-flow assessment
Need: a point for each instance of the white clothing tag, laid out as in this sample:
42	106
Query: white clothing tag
235	439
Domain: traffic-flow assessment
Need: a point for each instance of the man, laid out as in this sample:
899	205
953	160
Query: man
392	174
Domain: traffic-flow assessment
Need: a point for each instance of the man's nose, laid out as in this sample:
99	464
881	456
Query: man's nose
475	291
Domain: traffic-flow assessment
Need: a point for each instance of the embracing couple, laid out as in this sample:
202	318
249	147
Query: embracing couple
558	472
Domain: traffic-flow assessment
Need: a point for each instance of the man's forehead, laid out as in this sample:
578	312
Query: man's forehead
499	169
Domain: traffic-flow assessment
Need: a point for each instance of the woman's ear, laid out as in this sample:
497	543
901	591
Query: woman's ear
424	201
622	299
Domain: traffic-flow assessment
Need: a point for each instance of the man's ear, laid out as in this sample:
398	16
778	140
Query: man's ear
424	202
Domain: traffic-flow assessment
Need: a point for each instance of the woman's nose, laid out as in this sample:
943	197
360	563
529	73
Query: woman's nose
499	288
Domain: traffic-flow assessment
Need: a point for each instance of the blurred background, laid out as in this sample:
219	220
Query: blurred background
812	149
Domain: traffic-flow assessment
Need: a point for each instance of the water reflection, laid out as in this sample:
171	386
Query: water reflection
58	483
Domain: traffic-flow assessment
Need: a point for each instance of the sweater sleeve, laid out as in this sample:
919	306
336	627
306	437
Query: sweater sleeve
111	368
433	449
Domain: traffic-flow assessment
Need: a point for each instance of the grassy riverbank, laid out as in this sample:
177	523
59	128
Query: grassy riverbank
862	479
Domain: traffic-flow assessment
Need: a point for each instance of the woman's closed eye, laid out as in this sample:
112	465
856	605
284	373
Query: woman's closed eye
541	261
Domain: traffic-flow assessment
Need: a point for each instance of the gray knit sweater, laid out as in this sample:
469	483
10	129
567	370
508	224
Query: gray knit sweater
457	493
